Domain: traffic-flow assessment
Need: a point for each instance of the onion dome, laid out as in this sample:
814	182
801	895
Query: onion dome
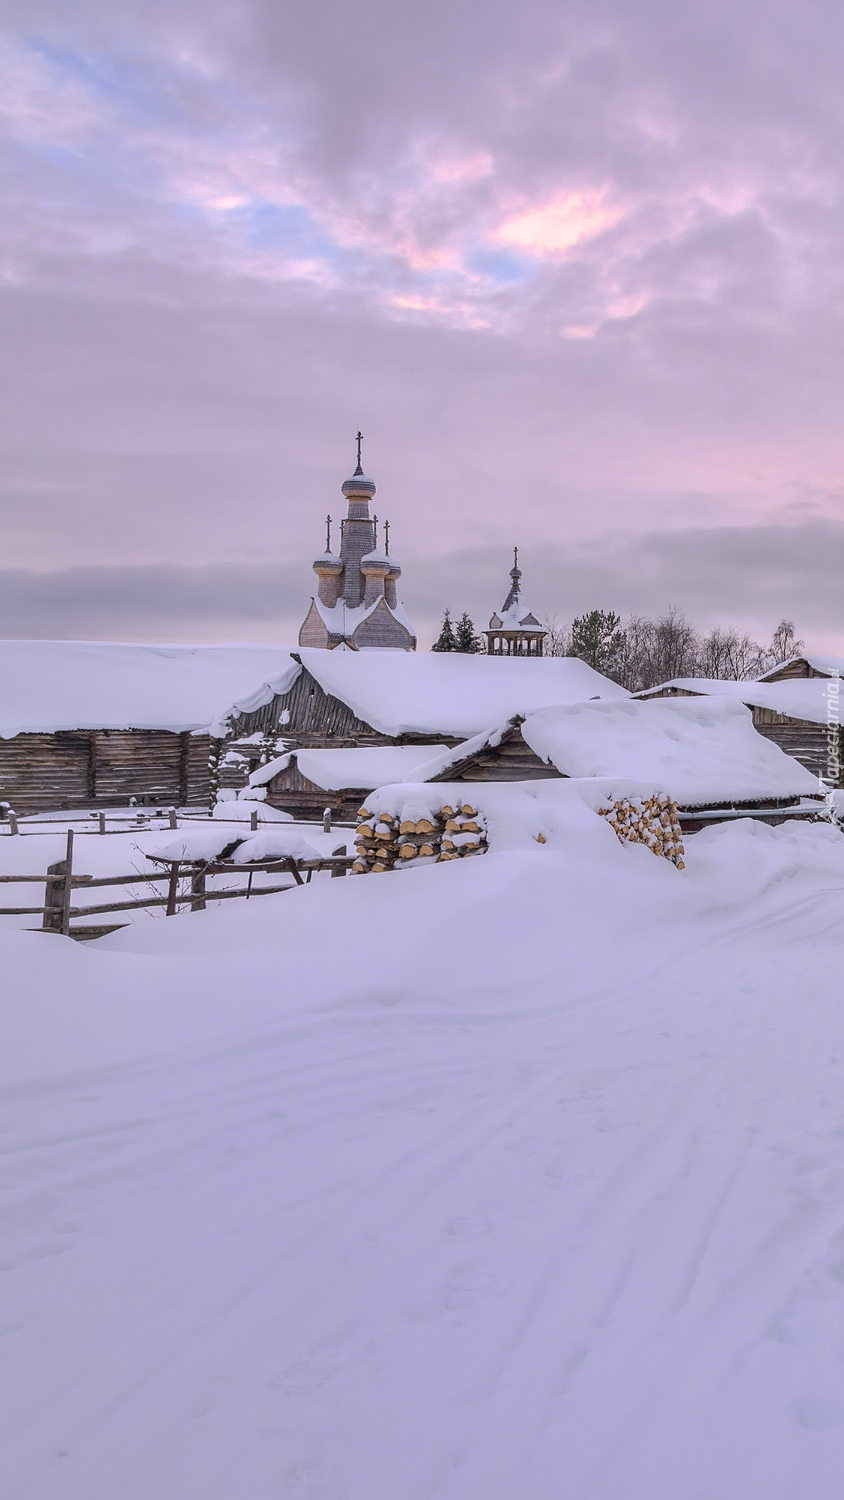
376	564
359	485
328	566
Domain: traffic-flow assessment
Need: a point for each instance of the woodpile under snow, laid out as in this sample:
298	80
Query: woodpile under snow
411	829
653	821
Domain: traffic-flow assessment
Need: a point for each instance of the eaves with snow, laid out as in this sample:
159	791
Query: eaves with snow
47	686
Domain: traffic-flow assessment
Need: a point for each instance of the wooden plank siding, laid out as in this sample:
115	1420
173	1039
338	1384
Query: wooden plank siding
312	719
103	768
291	791
800	738
790	670
511	760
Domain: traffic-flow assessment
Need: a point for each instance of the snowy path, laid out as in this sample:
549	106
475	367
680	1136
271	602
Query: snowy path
587	1244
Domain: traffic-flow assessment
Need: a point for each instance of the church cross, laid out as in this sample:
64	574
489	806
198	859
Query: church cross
360	440
328	533
386	538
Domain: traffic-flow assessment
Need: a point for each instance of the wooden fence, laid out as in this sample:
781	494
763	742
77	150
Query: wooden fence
58	911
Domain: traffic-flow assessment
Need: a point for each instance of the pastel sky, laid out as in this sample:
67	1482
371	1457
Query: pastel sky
575	267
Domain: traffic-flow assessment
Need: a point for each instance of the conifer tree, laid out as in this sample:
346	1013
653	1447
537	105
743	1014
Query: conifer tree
446	640
466	638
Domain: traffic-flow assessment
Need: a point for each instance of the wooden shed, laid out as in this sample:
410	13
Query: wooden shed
93	724
706	755
306	782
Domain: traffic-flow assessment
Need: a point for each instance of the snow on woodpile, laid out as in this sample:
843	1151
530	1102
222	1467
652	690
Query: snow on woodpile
402	824
424	823
705	751
65	685
408	692
354	769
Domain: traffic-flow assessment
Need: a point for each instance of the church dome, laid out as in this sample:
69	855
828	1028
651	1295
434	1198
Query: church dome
359	485
327	565
376	563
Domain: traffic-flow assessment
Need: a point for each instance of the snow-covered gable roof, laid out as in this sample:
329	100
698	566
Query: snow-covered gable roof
405	692
65	685
337	770
807	698
702	750
830	666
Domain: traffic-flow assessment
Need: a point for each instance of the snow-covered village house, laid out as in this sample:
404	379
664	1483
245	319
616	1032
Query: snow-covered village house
797	705
94	724
705	751
356	605
353	700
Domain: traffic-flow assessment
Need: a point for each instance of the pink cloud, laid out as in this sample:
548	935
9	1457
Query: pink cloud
554	227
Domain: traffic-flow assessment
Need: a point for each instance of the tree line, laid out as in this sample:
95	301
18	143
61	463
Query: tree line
640	652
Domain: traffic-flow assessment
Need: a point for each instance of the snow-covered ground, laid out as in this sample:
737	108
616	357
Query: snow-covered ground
517	1178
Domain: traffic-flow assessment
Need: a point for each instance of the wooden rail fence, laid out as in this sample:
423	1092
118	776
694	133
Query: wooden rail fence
58	911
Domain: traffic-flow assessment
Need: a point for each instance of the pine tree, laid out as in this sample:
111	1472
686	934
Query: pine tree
446	640
466	639
599	640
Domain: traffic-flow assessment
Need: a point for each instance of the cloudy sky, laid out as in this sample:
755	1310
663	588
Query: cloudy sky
575	267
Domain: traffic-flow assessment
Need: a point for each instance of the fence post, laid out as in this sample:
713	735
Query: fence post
338	869
174	822
253	820
101	821
197	891
13	821
326	820
172	890
51	921
57	893
68	884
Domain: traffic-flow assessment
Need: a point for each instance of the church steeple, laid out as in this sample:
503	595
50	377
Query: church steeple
356	602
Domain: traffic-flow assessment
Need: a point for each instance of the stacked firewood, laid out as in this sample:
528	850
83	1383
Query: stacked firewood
412	831
464	833
653	821
376	842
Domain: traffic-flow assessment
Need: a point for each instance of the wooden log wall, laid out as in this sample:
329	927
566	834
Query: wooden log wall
511	760
800	738
102	767
313	719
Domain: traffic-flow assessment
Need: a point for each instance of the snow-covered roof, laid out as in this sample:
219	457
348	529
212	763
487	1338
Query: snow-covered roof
833	666
806	698
55	685
517	617
344	619
407	692
702	750
365	768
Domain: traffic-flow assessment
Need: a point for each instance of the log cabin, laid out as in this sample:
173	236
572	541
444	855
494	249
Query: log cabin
705	753
306	782
94	724
366	698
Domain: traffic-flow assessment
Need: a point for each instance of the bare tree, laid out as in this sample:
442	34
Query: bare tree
726	654
558	639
